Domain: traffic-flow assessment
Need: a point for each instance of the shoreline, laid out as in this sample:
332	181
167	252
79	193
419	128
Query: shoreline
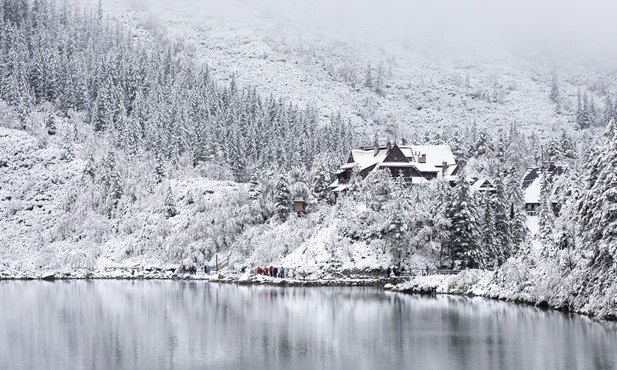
420	285
221	277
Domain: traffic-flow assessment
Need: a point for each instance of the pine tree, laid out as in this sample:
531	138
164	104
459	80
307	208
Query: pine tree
170	204
89	167
583	115
50	123
545	215
378	82
320	185
255	189
397	229
488	233
380	189
110	179
463	247
282	198
458	148
503	238
567	146
190	199
596	218
518	216
610	111
592	112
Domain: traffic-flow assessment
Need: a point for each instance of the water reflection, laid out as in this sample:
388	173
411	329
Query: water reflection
171	324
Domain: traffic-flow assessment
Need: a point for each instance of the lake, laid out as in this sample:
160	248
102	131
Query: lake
115	324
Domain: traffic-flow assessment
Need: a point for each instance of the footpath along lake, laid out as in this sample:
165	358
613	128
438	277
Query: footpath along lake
120	324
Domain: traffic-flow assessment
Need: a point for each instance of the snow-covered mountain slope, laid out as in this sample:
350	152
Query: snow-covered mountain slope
53	216
33	181
51	213
319	53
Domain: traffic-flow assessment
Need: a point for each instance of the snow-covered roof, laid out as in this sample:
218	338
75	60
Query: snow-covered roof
532	181
435	154
532	192
534	172
433	157
366	158
427	167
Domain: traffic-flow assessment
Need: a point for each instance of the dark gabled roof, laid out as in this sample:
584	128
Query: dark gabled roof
530	175
532	181
551	170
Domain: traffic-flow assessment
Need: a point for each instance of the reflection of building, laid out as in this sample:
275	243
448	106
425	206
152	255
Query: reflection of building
415	163
532	185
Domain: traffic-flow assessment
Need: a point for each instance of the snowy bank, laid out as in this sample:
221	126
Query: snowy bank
464	282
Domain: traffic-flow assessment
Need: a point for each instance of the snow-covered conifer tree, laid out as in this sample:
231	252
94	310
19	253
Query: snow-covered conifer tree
170	204
320	185
89	167
518	216
596	218
488	234
463	247
397	228
545	214
610	111
282	198
255	189
503	238
355	182
110	179
50	123
380	188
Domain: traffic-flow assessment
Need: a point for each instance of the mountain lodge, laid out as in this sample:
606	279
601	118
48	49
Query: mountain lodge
417	164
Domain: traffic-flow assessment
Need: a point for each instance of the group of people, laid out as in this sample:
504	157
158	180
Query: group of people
394	271
271	271
190	269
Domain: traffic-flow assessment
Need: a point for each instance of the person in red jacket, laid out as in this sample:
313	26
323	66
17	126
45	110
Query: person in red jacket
259	270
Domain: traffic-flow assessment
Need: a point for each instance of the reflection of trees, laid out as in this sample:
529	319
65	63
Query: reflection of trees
162	324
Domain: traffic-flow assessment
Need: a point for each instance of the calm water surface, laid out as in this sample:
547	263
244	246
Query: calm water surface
185	325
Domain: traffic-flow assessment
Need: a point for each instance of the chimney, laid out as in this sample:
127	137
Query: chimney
422	158
376	149
388	145
403	141
444	167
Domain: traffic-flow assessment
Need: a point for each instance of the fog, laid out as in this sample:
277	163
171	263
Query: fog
550	24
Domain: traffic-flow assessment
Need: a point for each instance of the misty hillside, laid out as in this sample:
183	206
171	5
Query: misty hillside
384	70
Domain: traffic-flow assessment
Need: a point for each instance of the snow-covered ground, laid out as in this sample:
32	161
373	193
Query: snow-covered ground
51	220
